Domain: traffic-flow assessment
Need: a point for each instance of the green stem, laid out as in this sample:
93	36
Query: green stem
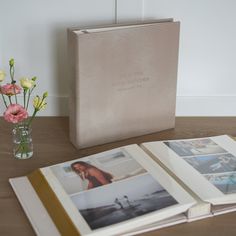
9	97
4	100
15	95
32	117
24	96
30	91
12	72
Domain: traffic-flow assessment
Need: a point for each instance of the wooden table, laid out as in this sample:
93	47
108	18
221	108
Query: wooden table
52	145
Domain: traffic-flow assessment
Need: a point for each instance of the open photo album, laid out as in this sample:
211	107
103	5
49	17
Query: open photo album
132	189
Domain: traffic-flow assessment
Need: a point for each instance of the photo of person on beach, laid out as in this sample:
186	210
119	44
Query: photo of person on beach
97	170
95	176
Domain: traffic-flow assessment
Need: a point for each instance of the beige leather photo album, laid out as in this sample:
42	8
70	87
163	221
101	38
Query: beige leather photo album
123	81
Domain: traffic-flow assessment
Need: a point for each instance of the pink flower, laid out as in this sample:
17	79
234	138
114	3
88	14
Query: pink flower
10	89
15	113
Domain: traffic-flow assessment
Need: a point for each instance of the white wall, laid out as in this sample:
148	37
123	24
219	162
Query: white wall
34	33
207	57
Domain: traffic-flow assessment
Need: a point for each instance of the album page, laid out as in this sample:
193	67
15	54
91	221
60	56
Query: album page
206	165
116	191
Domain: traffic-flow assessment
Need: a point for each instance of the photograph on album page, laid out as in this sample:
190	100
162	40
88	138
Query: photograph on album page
133	184
218	163
96	170
214	158
122	201
195	147
226	183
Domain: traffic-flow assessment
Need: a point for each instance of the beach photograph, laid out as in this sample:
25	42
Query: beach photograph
226	183
195	147
122	201
219	163
96	170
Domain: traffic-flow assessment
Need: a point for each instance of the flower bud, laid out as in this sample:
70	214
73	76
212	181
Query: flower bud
26	83
11	62
39	103
45	94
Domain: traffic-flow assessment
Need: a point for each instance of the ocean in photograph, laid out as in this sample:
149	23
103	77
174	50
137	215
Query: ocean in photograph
195	147
219	163
226	183
122	201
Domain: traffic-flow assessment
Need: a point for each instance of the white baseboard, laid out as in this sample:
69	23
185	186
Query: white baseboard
185	106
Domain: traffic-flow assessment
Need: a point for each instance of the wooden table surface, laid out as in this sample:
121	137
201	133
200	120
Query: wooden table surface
52	145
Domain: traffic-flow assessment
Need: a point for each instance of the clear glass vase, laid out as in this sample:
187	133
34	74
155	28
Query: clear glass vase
22	141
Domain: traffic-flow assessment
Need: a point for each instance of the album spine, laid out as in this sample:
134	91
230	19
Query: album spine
73	75
50	201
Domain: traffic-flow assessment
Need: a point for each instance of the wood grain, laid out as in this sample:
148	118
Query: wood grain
52	145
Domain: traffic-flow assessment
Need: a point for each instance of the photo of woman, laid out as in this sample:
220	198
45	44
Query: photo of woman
95	176
96	170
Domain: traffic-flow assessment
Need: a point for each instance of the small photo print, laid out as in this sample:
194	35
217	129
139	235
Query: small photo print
226	183
96	170
219	163
195	147
122	201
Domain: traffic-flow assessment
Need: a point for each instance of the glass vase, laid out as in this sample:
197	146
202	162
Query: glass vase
22	141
